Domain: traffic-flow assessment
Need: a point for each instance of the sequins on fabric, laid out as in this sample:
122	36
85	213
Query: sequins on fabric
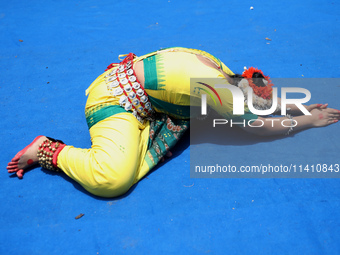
122	82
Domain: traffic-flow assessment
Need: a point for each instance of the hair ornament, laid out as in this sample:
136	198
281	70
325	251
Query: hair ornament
266	91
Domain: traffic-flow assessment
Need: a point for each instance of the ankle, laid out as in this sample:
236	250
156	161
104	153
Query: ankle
48	152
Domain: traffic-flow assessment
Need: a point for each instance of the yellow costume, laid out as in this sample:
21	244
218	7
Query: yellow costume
167	82
123	148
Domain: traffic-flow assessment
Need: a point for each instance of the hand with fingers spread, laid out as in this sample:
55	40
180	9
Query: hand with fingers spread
324	116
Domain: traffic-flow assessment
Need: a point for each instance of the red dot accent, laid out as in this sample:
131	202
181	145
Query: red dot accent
29	162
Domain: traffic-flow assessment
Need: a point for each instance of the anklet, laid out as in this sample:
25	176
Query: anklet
48	152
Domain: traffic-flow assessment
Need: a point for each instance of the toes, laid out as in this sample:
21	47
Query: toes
12	170
12	167
169	154
15	159
20	173
12	163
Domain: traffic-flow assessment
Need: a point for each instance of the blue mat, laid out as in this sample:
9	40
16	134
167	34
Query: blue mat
50	53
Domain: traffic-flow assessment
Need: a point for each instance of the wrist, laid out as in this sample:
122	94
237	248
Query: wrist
304	122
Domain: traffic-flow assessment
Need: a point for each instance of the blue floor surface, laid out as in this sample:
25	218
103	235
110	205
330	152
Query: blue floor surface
51	51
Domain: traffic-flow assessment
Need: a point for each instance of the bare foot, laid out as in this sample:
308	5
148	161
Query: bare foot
26	157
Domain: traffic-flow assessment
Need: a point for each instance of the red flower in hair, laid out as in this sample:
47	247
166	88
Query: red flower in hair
264	92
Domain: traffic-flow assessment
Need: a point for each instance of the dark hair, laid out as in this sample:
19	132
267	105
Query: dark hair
236	78
257	79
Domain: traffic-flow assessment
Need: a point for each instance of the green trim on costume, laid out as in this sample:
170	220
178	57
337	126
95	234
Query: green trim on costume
150	73
148	160
102	112
154	73
160	72
181	111
164	134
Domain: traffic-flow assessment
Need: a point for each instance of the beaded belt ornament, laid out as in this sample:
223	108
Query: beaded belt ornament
122	82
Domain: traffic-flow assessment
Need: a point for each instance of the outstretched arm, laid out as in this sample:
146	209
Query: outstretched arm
279	126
